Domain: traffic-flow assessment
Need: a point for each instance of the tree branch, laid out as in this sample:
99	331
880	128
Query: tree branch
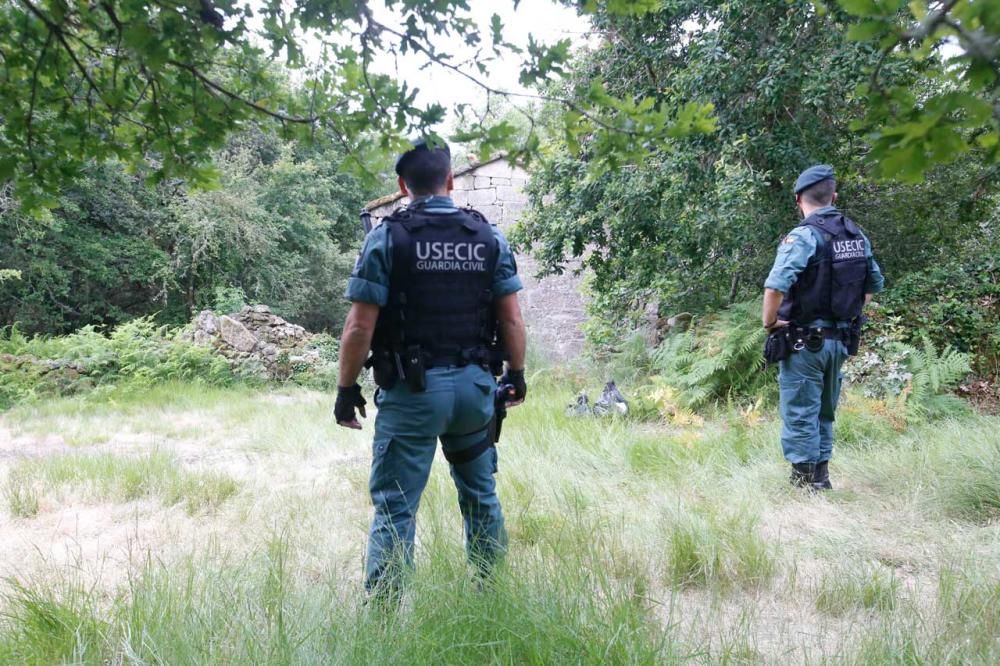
239	98
438	59
29	125
56	29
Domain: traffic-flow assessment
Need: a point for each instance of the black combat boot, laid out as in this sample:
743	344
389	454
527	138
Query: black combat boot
802	474
821	476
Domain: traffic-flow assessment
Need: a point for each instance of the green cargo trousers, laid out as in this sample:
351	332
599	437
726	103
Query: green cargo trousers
456	408
810	389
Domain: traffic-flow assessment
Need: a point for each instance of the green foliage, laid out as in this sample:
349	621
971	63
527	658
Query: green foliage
159	84
693	226
323	374
933	374
282	230
719	358
955	303
228	299
137	354
911	130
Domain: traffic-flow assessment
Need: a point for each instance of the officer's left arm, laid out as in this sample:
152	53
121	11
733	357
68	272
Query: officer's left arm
505	278
876	281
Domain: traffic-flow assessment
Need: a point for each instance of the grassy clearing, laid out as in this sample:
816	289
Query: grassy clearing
258	609
108	477
962	627
630	543
706	548
866	587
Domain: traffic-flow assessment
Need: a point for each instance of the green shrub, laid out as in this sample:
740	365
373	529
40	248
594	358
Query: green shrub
914	381
321	375
955	303
228	299
137	353
719	358
933	374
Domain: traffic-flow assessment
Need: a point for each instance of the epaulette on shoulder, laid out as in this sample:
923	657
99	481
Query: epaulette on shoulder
476	214
398	215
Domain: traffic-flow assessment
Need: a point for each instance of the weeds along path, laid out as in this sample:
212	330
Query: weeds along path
194	525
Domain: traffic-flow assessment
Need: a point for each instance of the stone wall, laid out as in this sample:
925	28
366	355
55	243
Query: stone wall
553	307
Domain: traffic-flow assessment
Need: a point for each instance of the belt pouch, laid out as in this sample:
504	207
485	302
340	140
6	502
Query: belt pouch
416	372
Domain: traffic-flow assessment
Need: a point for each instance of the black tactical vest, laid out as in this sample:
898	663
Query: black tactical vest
833	284
440	287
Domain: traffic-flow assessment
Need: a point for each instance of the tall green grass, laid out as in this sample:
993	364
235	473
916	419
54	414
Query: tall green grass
260	609
848	588
630	542
706	548
962	626
114	478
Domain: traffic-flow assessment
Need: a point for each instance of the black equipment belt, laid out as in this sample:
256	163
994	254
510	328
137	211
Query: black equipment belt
459	359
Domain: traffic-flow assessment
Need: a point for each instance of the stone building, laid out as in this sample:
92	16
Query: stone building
553	307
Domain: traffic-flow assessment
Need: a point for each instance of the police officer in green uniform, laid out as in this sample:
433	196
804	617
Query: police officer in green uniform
823	276
433	290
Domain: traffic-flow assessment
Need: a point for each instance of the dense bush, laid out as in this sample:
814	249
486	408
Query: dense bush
138	353
281	228
956	304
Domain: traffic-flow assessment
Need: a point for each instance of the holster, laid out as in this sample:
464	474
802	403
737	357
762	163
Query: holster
777	346
853	339
384	368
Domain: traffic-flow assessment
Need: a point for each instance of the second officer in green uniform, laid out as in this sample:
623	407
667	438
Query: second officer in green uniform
822	277
434	288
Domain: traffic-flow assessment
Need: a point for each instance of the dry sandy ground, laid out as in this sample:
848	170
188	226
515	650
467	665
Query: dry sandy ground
280	474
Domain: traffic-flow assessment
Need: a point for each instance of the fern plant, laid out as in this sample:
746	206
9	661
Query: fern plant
719	358
933	375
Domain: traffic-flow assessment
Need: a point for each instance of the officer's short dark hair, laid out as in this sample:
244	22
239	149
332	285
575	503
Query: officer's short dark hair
426	171
821	193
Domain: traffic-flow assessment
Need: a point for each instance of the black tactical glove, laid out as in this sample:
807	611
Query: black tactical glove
349	398
515	380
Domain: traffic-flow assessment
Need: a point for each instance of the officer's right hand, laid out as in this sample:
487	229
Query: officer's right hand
778	324
349	398
518	388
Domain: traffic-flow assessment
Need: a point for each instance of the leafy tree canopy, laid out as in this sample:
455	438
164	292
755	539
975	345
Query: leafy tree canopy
164	82
281	229
912	130
693	226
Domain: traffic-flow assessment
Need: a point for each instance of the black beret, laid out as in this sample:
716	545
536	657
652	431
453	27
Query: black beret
419	145
814	174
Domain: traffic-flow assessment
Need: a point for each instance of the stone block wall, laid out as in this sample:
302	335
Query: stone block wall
553	307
